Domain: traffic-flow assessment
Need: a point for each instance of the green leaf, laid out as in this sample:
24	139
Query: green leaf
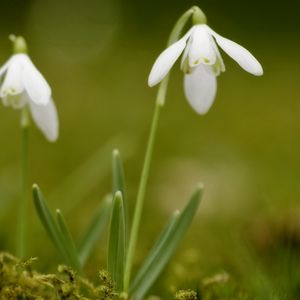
48	222
118	182
68	242
156	249
165	246
116	244
94	230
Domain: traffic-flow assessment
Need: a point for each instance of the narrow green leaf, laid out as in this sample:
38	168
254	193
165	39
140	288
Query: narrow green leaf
164	247
118	182
156	249
48	222
94	230
68	242
116	243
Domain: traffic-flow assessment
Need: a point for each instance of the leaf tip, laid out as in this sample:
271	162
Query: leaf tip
118	195
176	213
200	186
35	187
116	152
36	193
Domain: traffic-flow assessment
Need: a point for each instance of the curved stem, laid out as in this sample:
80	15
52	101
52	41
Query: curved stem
22	219
160	100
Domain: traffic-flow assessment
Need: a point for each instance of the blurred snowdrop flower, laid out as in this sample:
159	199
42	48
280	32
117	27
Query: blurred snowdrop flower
23	85
202	63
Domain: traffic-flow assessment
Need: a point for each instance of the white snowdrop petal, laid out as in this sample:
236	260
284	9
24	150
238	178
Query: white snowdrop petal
240	54
184	59
166	60
35	84
4	68
13	83
219	64
200	88
46	118
201	50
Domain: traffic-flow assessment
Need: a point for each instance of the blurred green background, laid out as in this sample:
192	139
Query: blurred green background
96	55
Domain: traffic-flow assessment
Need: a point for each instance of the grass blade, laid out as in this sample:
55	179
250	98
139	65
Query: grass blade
164	247
116	244
156	249
94	230
68	242
48	222
118	182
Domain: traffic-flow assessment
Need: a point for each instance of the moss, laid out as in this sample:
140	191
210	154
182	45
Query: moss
186	295
18	280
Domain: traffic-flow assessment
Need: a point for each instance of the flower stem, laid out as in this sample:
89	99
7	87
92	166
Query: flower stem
142	186
160	100
22	219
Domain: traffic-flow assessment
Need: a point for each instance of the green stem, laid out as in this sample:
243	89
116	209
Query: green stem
182	21
22	220
142	189
160	100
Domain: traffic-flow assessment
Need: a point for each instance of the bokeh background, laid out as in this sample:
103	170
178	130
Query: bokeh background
96	55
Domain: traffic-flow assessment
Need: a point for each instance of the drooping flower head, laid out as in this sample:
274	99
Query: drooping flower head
201	62
23	85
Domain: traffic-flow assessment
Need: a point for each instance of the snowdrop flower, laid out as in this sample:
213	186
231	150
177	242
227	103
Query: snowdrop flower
202	63
23	85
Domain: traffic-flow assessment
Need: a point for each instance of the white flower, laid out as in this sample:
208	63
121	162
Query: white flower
22	84
201	63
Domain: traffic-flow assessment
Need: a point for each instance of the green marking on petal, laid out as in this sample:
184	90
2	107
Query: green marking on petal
14	100
185	67
217	67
